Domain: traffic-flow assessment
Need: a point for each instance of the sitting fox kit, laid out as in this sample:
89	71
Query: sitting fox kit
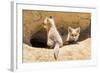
53	38
73	34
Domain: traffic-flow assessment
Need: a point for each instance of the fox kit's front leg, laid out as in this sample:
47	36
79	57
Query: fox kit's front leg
50	43
58	44
56	50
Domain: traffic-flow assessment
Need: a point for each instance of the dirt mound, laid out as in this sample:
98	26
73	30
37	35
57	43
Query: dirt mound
79	51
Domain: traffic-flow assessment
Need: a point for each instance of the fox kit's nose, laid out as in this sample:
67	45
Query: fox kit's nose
50	17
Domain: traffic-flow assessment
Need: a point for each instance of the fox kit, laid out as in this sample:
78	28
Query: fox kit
53	37
73	35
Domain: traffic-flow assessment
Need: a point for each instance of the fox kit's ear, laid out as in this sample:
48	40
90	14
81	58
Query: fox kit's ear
69	29
46	20
78	29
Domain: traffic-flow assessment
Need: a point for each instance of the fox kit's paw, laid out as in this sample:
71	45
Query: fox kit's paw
56	52
55	56
66	43
50	47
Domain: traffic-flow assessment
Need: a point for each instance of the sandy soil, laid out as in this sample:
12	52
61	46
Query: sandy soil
79	51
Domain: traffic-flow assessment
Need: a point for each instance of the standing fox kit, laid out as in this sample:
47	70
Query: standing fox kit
73	34
53	37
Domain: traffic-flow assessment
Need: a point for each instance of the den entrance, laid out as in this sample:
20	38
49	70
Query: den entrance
39	39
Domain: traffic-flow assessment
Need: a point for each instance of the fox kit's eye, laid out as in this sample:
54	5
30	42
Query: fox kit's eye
75	35
72	34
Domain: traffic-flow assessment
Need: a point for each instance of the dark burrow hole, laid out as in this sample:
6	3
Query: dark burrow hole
36	42
39	39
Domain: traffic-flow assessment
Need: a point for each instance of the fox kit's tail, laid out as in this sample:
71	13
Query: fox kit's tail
56	50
